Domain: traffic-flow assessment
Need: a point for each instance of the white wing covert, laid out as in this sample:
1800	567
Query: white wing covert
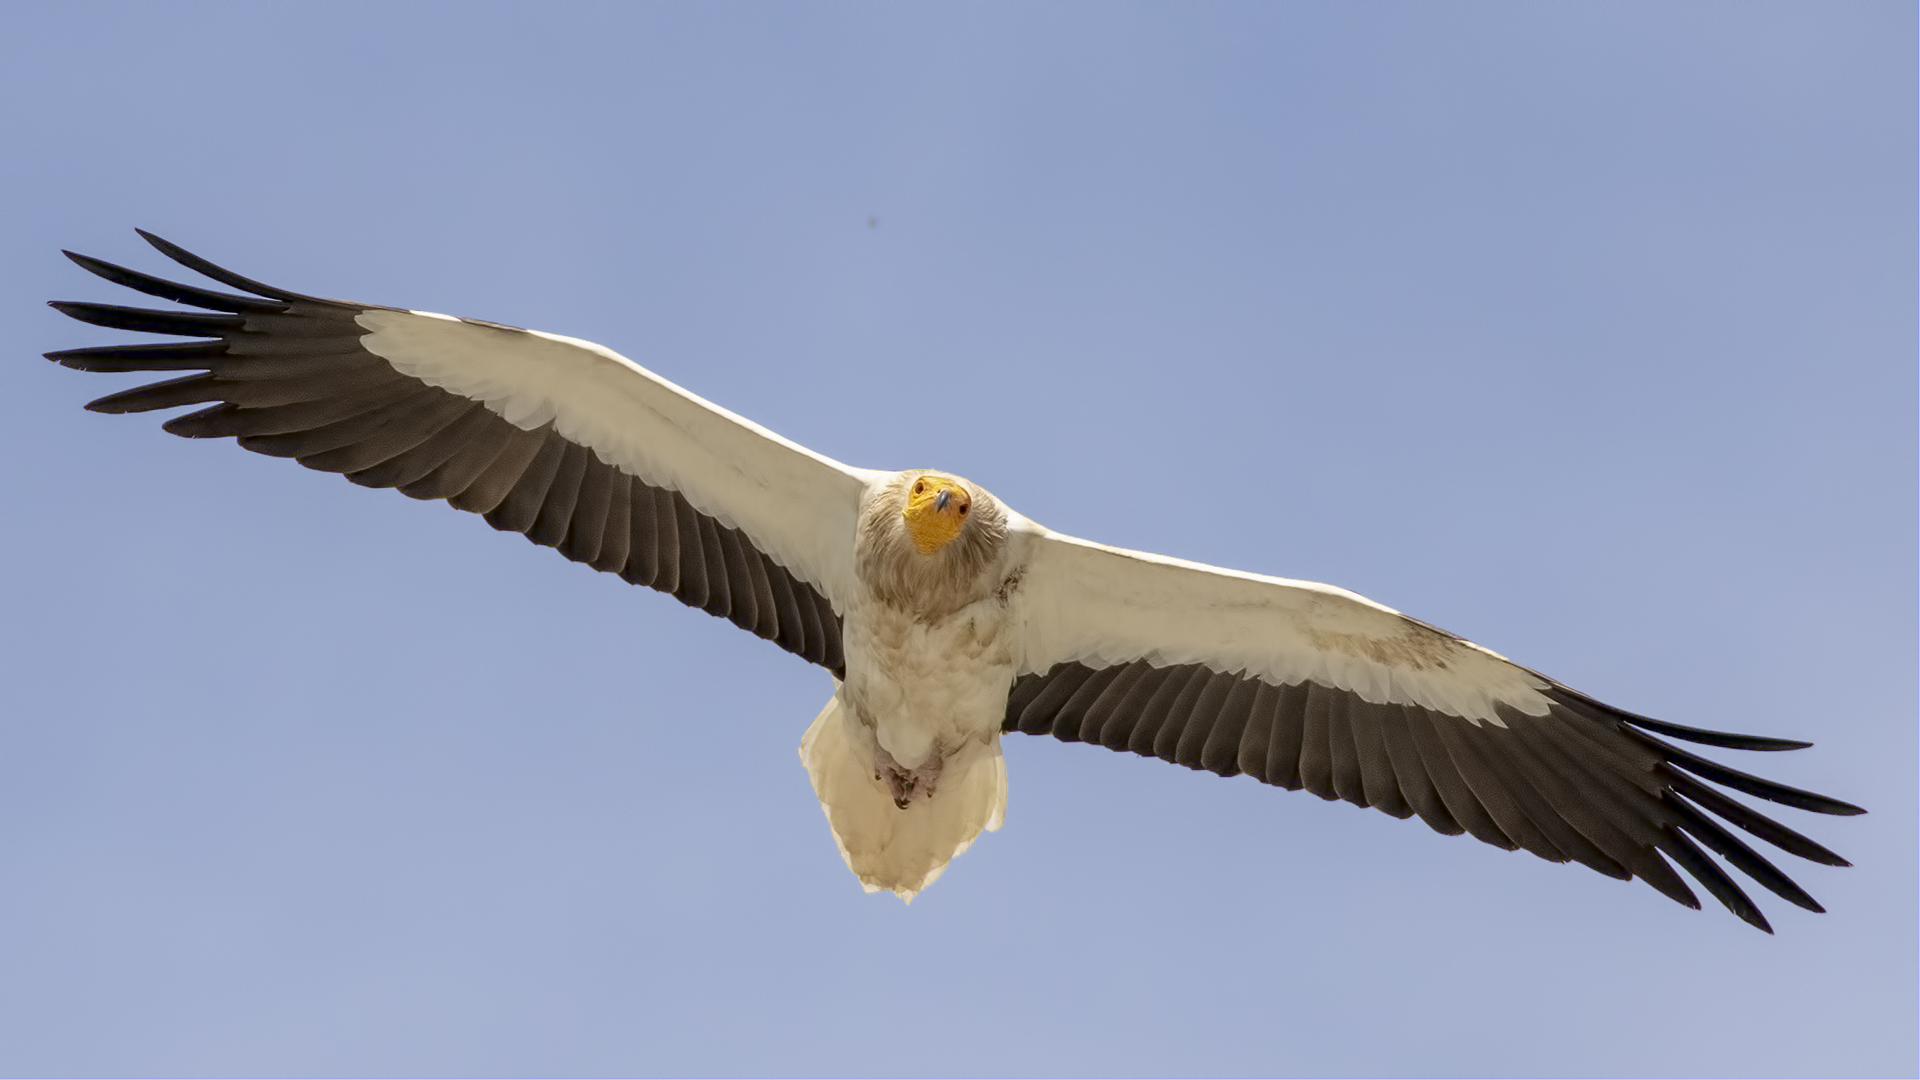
1100	605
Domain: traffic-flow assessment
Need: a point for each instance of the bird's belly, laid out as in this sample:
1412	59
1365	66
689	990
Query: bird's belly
925	690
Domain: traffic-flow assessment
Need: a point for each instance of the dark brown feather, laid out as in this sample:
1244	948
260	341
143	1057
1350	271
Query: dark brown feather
1578	783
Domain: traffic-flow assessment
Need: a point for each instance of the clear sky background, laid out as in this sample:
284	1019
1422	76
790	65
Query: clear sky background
1584	330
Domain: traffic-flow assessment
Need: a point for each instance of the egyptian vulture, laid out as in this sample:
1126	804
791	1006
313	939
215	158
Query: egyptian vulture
945	617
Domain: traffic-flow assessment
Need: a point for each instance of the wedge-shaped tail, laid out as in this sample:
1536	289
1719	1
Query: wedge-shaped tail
886	846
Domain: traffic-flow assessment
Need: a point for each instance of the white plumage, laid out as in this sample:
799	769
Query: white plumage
1102	605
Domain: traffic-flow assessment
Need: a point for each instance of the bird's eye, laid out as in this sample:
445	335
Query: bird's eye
919	487
964	509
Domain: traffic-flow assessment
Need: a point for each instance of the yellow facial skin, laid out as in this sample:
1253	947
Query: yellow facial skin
937	508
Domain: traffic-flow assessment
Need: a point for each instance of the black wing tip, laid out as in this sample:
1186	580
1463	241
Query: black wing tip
1679	764
1770	790
174	291
97	267
1727	740
1703	828
1708	873
1752	785
200	324
164	246
92	265
221	274
172	250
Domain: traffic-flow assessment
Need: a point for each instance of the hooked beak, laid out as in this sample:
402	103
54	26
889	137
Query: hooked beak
940	501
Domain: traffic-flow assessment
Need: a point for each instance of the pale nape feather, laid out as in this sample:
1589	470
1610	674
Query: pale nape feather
887	847
1085	602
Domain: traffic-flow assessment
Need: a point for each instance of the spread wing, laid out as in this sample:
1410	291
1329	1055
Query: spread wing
1307	686
568	443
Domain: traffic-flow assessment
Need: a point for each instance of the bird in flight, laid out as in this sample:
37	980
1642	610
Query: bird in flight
945	617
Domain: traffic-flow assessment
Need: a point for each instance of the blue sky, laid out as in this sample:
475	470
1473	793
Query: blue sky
1584	330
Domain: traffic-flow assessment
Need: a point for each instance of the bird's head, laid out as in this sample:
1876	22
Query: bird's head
930	542
936	510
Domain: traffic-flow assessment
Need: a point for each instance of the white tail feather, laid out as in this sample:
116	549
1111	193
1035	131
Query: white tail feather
885	846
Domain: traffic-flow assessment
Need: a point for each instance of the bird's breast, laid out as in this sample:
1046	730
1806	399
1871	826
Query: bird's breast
928	687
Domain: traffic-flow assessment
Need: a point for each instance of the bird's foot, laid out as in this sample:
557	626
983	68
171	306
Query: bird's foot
903	784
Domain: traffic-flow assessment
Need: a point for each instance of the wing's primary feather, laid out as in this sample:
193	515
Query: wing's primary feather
565	441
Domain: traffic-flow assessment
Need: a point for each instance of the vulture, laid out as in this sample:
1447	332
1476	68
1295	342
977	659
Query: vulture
945	617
